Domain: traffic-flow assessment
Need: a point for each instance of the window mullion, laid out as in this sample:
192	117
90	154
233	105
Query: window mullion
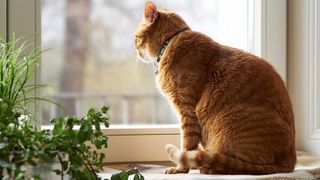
23	19
3	19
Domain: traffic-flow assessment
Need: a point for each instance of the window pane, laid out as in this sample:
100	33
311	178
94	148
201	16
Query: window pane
92	61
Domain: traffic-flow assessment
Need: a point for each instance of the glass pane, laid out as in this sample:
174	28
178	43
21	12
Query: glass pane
92	61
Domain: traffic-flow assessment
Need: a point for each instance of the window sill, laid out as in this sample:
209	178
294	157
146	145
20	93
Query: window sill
154	129
138	143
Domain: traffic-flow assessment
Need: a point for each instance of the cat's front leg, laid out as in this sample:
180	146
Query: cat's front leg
190	131
190	139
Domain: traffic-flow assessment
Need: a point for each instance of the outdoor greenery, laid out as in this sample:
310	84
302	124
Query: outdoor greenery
73	142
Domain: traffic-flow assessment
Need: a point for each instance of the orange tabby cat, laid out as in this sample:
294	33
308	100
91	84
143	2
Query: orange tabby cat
236	115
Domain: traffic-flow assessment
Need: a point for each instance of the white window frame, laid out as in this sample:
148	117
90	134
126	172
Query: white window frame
146	143
304	72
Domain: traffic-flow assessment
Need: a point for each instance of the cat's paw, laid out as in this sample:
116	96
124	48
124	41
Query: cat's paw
176	170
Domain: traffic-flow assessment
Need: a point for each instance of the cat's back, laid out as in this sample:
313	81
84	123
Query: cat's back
250	78
238	78
233	75
245	92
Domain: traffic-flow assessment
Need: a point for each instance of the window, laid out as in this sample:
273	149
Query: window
92	61
258	35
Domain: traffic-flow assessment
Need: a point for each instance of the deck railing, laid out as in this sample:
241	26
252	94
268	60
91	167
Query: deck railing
127	101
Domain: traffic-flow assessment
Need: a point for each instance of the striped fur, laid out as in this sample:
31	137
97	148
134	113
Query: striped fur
232	103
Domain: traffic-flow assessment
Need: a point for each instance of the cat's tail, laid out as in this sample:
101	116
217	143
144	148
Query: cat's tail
216	163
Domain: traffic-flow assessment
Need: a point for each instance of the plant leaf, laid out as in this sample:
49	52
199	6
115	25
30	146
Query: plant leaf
5	164
3	145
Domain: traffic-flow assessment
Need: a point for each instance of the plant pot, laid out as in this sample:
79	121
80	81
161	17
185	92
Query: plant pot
45	170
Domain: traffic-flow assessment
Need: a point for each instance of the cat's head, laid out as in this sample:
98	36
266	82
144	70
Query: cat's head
154	28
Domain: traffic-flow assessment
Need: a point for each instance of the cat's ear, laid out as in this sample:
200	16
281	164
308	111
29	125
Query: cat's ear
150	12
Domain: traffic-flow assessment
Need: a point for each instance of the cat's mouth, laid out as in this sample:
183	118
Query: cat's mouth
142	54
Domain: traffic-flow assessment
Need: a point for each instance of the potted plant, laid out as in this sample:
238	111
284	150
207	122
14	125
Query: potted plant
73	142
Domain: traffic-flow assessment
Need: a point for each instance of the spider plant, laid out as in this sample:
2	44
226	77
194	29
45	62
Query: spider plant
17	68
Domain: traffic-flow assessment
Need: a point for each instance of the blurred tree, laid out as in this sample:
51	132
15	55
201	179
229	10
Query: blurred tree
76	47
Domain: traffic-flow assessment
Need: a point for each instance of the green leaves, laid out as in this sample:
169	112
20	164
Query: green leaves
16	68
4	164
124	175
72	140
3	145
85	132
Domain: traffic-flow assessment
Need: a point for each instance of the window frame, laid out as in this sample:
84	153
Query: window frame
146	143
304	72
3	19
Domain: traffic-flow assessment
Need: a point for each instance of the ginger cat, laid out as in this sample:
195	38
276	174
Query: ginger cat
236	115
